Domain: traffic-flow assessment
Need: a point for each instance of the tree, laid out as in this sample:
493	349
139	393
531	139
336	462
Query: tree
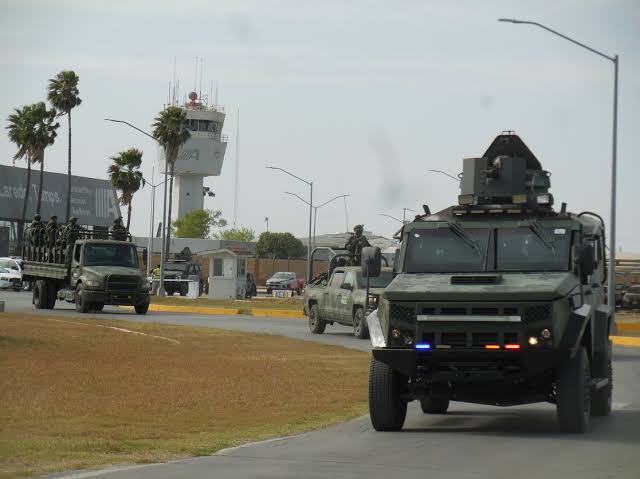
279	245
63	95
236	234
125	175
18	134
197	223
33	128
171	132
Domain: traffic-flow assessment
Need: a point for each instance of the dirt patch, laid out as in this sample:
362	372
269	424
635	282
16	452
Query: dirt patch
294	303
78	393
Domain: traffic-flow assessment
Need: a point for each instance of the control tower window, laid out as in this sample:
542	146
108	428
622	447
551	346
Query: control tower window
193	124
204	125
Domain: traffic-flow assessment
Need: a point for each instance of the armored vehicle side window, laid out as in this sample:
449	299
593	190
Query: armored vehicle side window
336	279
442	250
350	278
76	254
522	249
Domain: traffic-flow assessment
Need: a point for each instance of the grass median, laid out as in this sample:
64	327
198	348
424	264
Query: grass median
80	393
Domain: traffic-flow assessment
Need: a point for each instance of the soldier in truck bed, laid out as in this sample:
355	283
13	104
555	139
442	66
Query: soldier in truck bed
356	243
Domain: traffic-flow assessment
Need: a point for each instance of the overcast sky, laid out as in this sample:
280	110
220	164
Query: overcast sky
362	97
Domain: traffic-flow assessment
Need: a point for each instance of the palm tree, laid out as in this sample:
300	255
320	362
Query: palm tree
18	134
41	133
63	95
171	132
125	175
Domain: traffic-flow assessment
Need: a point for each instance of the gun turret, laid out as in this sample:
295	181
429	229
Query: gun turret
507	175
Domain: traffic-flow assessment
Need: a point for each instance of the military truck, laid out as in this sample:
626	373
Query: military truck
498	300
343	299
87	268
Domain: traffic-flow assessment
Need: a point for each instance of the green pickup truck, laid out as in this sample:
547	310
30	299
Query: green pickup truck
342	299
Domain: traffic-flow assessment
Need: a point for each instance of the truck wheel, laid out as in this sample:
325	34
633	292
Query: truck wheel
82	305
360	329
316	325
52	294
40	294
433	405
601	398
184	289
387	409
97	307
573	389
142	308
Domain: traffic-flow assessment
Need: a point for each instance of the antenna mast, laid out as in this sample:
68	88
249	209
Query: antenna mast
237	186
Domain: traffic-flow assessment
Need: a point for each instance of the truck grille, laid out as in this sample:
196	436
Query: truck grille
402	312
122	283
528	312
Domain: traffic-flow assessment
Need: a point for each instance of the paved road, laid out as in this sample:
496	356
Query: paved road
469	442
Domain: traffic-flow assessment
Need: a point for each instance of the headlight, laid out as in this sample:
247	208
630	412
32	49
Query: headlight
93	283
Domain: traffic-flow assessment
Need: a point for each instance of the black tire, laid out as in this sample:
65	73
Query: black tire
573	389
142	308
387	409
360	329
200	288
184	289
433	405
40	294
97	307
52	295
268	291
316	325
82	305
601	398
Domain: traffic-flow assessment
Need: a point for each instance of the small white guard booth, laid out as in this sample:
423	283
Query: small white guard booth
227	273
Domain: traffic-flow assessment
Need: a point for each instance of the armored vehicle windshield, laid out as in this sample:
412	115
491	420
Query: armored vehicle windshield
530	247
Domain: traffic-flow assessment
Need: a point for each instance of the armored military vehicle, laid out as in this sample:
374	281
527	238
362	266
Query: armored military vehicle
88	268
498	300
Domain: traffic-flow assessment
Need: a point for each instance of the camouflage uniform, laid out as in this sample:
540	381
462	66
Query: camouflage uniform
35	237
50	238
118	231
356	243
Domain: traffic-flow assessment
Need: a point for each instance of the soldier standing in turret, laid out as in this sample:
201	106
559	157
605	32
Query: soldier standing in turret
50	237
118	230
356	243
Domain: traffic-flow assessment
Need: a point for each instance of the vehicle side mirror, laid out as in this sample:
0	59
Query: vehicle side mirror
371	262
584	259
348	286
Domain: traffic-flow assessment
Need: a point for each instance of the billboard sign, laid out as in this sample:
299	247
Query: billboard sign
93	201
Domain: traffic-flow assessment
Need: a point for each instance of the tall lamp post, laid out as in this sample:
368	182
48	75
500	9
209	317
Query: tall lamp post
160	291
315	209
611	286
310	184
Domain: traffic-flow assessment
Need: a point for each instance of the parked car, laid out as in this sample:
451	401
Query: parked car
631	298
285	280
11	273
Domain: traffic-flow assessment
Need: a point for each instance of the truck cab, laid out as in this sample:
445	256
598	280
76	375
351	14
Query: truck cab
498	300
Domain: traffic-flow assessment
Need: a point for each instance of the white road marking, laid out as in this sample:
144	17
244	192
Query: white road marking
619	405
174	341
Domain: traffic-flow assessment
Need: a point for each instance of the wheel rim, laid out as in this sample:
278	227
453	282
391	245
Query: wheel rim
79	300
358	325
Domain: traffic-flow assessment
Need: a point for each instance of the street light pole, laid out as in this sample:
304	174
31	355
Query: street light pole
611	285
315	208
310	184
160	291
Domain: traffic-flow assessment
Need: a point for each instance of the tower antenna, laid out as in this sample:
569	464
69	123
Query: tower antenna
201	68
173	97
237	186
216	100
195	76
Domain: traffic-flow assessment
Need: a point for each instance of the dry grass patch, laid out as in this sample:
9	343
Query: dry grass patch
294	303
78	393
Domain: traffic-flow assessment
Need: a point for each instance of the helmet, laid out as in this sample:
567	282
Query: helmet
37	218
357	228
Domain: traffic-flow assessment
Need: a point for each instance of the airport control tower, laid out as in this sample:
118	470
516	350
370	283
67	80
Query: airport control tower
202	155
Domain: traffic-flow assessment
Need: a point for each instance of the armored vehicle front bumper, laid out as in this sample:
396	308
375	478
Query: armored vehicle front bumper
116	297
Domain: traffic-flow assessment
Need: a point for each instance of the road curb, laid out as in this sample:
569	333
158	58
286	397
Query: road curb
628	327
626	341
